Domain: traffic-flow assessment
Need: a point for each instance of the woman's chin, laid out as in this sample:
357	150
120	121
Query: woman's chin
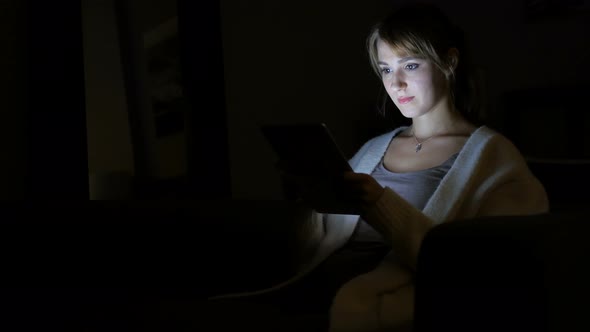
410	114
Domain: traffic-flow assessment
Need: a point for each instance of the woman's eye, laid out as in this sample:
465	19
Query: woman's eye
411	66
386	70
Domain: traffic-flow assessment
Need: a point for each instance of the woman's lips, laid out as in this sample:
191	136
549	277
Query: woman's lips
405	100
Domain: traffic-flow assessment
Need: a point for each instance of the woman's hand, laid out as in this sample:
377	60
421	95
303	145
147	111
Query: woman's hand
361	188
345	193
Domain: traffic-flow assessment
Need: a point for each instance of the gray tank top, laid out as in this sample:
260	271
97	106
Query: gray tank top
415	187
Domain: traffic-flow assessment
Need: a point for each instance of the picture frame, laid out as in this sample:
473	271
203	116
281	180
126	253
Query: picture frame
164	78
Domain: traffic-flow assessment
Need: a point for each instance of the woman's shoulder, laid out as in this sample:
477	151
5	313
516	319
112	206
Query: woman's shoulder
494	159
487	136
489	144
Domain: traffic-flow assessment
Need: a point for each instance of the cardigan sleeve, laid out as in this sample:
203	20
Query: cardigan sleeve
404	226
516	197
400	223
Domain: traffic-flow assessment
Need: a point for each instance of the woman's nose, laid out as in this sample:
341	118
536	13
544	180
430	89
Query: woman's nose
397	82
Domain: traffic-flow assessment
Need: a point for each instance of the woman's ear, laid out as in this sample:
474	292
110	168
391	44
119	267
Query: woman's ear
453	55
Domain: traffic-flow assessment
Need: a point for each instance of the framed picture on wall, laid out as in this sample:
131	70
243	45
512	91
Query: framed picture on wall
164	78
165	83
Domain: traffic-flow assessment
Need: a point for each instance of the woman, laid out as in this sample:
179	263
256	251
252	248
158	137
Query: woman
441	168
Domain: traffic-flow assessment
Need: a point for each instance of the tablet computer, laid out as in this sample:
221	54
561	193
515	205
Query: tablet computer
306	149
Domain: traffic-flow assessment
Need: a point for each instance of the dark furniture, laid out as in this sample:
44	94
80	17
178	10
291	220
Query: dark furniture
508	273
102	265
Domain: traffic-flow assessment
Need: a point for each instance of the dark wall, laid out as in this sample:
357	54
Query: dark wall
43	127
13	88
108	150
57	154
535	61
293	62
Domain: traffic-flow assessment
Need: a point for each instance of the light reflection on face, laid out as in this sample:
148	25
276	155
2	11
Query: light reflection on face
415	85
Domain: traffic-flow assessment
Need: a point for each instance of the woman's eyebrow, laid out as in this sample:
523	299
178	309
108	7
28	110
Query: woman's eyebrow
404	59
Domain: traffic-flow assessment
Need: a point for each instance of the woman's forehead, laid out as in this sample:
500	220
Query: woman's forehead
396	50
386	50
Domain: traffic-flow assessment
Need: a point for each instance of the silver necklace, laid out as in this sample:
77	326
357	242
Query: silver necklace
418	143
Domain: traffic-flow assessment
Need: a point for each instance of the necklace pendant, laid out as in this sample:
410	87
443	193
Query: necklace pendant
418	147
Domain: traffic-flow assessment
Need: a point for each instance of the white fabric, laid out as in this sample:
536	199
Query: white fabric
489	177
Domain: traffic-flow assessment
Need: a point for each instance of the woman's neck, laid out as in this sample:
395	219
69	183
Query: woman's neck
440	122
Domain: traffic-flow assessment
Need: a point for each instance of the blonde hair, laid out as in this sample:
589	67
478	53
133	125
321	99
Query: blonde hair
424	31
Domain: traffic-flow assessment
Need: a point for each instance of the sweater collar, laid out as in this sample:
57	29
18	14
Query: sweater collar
438	205
457	179
377	150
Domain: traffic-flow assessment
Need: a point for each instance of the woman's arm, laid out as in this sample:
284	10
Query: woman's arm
400	223
404	226
517	197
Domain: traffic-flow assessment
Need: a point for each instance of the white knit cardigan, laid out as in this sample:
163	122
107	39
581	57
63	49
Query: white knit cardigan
489	177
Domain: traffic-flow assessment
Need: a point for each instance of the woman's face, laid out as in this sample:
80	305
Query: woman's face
415	85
